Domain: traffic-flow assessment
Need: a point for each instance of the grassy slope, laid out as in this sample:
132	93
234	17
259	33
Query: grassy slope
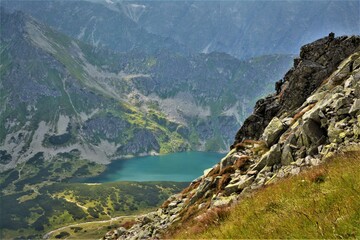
323	202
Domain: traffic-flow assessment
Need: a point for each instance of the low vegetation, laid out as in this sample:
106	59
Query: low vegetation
32	213
37	196
90	230
323	202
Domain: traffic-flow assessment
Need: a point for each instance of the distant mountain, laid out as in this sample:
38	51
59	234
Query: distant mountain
61	95
241	28
95	24
247	28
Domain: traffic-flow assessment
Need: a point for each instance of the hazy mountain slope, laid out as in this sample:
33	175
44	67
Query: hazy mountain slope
60	95
241	28
327	75
95	24
248	28
56	101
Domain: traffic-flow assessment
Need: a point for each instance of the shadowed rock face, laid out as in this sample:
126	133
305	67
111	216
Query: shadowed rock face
316	62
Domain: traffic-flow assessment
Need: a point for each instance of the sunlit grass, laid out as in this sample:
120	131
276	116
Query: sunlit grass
323	202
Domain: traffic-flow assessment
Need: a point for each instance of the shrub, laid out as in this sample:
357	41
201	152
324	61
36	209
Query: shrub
62	235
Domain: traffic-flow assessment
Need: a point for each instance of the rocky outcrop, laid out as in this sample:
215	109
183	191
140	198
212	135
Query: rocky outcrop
316	62
294	140
147	144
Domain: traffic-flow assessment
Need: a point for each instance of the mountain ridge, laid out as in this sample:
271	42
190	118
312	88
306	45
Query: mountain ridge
239	28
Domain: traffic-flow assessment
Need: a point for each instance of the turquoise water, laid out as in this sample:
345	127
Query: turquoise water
179	167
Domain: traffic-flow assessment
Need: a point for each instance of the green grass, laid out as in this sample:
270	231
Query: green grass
323	202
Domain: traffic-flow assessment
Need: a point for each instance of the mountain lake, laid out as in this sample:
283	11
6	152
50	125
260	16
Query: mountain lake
178	167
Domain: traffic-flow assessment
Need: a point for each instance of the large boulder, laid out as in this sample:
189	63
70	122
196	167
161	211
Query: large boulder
270	158
314	132
286	155
273	131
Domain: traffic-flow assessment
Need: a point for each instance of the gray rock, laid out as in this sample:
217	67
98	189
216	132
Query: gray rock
286	155
228	160
295	171
146	220
231	188
340	103
356	131
221	202
270	158
175	210
121	230
343	111
357	91
253	172
206	171
202	189
201	205
314	161
312	114
334	133
315	97
273	131
237	187
355	107
173	204
314	131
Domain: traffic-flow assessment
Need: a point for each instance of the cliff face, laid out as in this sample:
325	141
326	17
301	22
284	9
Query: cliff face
314	113
317	61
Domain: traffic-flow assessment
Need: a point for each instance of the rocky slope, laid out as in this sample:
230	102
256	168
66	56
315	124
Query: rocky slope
63	96
297	132
241	28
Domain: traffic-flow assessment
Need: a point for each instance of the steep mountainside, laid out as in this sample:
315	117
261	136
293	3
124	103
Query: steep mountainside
63	96
298	132
56	101
241	28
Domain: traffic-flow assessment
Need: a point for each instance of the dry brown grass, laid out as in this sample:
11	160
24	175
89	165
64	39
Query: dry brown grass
228	169
302	112
128	224
223	182
242	163
190	188
195	225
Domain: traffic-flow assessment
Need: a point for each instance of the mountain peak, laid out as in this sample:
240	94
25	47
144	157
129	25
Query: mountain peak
317	61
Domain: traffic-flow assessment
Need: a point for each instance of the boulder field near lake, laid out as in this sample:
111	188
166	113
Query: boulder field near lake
314	114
